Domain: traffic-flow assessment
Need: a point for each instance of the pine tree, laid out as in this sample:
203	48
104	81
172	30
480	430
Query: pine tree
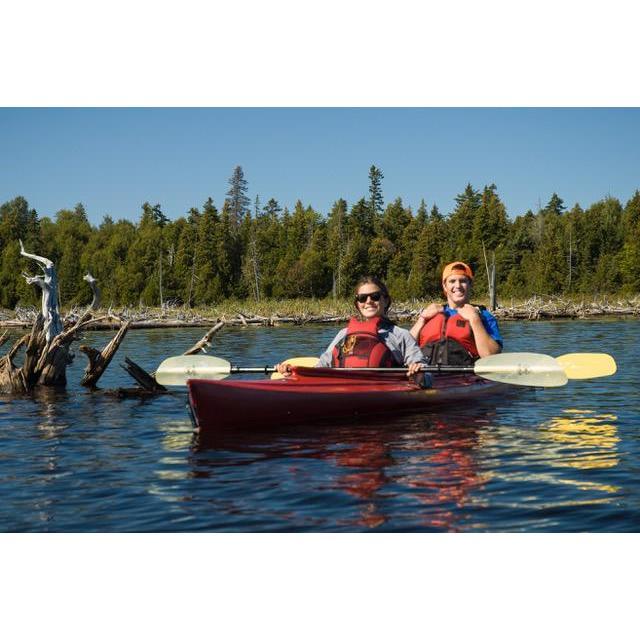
269	248
105	258
17	222
394	221
72	235
490	232
426	259
461	223
376	200
379	255
629	255
336	242
228	251
555	205
207	287
361	220
237	199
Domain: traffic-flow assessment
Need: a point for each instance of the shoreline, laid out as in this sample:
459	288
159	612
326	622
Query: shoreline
536	308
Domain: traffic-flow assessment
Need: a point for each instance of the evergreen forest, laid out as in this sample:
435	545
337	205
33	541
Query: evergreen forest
247	248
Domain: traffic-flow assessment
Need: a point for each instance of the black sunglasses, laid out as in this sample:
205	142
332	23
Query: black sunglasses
362	297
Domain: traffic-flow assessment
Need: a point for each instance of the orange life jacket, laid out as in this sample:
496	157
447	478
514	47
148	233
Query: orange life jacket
362	346
448	340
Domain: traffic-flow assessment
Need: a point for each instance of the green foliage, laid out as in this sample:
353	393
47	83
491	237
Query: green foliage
209	256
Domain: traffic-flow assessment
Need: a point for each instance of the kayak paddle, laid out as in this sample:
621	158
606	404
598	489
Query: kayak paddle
527	369
577	366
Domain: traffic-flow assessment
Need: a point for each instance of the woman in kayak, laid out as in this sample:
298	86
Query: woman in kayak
457	332
371	339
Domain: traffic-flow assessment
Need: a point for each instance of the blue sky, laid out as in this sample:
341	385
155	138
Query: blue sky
113	160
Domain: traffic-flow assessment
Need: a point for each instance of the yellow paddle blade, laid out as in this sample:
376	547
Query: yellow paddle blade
581	366
296	362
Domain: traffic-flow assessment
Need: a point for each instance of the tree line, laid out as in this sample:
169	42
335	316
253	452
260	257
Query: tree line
247	249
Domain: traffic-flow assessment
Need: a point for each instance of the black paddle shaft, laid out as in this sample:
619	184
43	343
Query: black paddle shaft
432	368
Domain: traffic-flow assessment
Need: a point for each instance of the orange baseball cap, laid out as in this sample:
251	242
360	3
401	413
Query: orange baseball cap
457	268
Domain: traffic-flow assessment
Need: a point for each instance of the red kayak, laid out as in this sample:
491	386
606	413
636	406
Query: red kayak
319	394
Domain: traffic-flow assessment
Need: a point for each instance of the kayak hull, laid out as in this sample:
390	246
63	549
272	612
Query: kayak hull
317	394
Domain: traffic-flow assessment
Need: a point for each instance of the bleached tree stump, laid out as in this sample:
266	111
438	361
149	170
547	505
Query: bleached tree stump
47	347
49	285
95	303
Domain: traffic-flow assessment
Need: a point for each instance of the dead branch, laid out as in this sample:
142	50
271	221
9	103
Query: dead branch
204	341
145	380
95	303
99	360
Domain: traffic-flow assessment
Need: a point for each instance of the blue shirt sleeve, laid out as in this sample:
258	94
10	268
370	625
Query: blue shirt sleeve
491	325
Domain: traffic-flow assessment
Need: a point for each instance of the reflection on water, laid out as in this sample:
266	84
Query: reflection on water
589	440
424	467
431	472
47	403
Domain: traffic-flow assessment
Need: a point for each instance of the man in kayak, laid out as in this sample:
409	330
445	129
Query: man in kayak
371	339
457	332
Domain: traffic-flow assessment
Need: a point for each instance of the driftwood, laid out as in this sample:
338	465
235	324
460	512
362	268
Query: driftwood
95	303
148	386
47	347
12	377
536	308
49	285
204	342
555	307
145	380
99	360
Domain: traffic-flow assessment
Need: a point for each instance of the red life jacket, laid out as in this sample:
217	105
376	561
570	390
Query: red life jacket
448	340
362	347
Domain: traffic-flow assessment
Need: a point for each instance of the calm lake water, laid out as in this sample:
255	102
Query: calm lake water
565	459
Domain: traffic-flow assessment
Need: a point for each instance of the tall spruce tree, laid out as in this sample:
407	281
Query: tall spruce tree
336	245
207	288
237	199
555	205
376	199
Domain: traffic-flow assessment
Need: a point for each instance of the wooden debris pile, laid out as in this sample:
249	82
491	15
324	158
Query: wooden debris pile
47	347
555	307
